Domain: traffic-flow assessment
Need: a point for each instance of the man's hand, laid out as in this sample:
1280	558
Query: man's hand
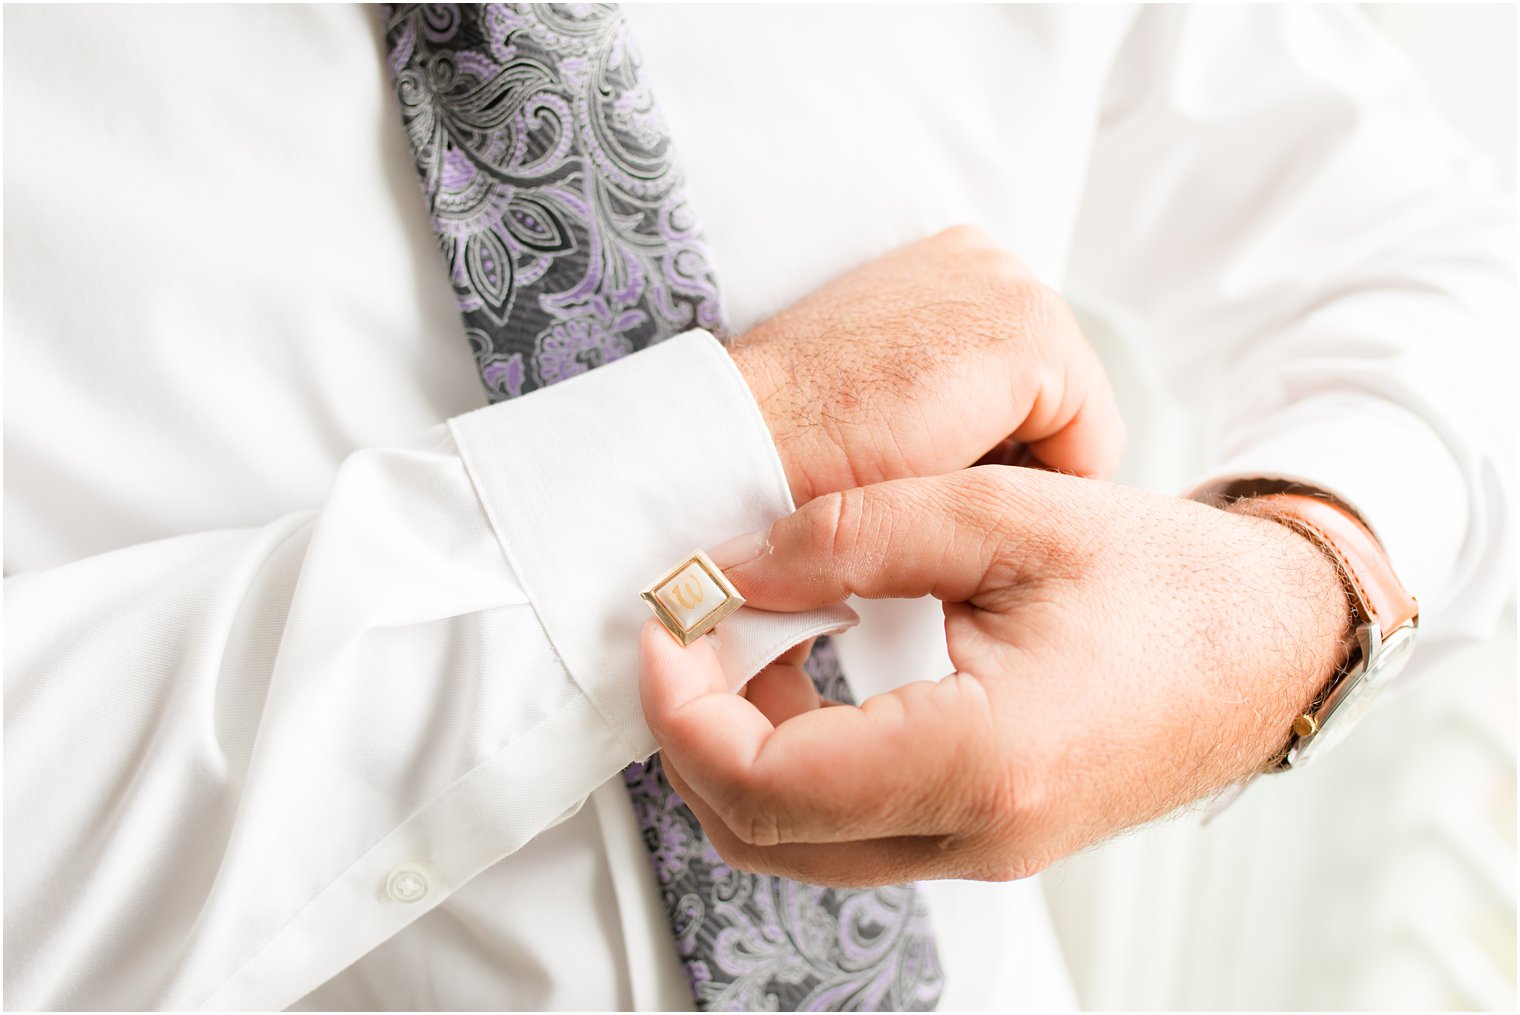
922	362
1118	653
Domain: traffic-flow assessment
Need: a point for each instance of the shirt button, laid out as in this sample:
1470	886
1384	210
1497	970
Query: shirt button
406	883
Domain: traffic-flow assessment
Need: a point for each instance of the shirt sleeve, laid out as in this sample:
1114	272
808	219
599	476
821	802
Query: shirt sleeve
237	761
1323	272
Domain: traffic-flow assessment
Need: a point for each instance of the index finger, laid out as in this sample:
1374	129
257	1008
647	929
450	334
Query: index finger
920	760
951	537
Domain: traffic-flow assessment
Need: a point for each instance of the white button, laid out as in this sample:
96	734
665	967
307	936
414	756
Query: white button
407	883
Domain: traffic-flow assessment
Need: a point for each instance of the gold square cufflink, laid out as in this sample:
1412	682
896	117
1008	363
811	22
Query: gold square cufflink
692	597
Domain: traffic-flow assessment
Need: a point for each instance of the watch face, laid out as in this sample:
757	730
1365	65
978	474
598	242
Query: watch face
1355	694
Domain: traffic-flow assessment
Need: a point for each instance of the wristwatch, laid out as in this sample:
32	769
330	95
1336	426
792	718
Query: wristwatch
1385	617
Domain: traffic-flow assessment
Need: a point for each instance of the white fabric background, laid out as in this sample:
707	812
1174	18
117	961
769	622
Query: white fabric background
1385	878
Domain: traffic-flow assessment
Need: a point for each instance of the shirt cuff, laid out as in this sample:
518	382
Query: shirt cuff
1384	462
598	485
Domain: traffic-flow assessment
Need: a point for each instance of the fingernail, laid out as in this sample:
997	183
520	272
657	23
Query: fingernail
740	549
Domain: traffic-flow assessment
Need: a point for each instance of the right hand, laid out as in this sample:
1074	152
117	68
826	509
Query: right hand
1117	654
925	361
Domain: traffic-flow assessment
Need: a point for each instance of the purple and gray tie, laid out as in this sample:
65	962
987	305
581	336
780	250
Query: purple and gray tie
570	242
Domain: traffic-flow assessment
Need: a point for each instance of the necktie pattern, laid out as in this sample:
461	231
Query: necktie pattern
570	242
552	186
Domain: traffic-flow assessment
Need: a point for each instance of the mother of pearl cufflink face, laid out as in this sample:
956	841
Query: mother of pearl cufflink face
692	597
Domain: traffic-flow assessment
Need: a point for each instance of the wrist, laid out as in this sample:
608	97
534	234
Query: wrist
1309	572
1311	611
763	377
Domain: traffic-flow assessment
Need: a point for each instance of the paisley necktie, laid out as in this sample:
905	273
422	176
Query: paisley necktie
570	242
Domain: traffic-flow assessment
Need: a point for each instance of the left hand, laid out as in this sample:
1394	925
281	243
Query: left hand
923	361
1118	654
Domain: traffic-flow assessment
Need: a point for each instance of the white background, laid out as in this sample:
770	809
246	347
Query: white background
1383	877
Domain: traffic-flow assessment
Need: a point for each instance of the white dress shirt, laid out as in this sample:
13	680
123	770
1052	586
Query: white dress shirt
307	692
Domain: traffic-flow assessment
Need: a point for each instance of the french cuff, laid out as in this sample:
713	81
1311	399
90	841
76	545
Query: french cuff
601	483
1386	464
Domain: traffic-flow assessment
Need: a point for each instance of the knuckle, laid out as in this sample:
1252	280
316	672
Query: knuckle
752	822
737	853
1039	306
984	490
828	519
993	808
865	517
1049	540
1015	868
1012	794
1019	308
983	498
752	859
1010	825
1009	276
964	234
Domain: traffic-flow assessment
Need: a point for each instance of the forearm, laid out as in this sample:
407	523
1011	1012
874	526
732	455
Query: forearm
419	676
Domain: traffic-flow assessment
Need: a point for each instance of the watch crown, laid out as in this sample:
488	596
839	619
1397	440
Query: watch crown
1305	726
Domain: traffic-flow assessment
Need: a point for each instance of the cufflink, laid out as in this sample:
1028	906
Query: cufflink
692	597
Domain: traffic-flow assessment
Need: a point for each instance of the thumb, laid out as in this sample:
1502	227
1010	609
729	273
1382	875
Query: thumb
1073	423
1089	443
937	536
